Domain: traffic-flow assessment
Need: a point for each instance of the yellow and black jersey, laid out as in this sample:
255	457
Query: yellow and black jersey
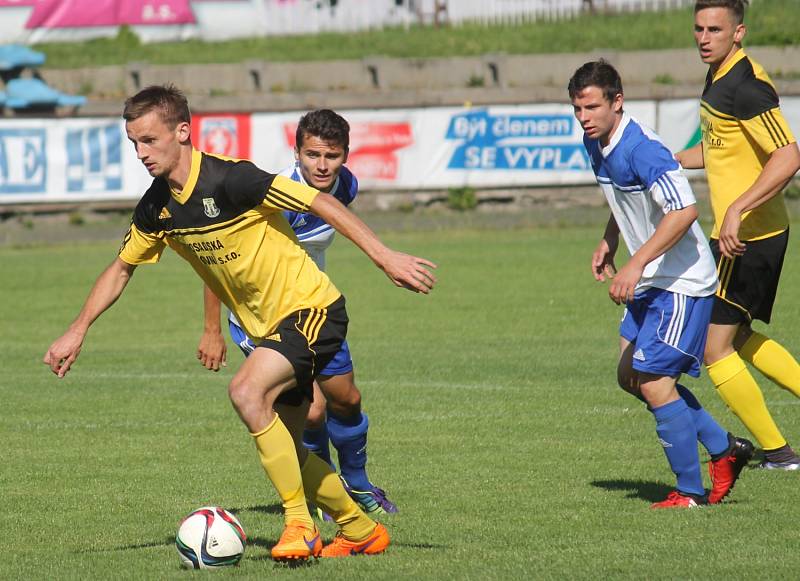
742	125
227	223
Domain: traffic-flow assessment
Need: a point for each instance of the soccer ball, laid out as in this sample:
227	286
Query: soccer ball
210	537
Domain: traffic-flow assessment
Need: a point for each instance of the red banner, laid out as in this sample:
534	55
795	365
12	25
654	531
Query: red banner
227	135
373	148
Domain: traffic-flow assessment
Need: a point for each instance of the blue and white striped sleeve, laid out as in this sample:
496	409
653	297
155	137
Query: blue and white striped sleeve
660	173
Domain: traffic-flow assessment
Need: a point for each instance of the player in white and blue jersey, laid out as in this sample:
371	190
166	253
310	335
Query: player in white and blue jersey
335	416
667	286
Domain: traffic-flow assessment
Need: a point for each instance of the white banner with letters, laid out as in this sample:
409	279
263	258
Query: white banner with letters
524	145
68	160
57	160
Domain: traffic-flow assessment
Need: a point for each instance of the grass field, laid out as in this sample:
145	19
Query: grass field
772	22
496	426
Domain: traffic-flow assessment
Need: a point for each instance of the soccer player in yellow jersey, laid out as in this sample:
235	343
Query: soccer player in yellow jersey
749	154
224	217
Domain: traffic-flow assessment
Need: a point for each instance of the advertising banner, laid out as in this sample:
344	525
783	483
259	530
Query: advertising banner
224	134
47	160
451	147
80	159
78	13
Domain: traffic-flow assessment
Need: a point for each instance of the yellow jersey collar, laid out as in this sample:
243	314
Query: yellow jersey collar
723	70
182	196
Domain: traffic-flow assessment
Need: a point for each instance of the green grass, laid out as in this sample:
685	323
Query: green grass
772	22
496	426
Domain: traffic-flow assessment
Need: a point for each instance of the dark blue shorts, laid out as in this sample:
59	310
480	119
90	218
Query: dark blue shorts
668	331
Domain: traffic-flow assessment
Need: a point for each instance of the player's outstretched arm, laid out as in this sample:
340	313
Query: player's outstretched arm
403	270
603	256
669	231
212	351
106	290
691	158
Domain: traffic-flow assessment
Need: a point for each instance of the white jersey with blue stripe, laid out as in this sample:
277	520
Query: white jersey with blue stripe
642	183
314	233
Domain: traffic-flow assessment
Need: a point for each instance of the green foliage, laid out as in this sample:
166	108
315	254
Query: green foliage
475	81
666	79
775	22
462	198
495	424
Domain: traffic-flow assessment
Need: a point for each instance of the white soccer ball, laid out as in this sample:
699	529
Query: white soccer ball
210	537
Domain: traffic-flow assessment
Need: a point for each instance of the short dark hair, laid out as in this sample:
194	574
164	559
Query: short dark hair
170	102
325	124
596	74
735	6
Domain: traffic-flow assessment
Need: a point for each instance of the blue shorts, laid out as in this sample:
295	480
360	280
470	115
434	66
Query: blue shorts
668	331
340	364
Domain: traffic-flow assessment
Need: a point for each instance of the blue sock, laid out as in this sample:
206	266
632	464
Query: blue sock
349	437
709	432
678	435
317	441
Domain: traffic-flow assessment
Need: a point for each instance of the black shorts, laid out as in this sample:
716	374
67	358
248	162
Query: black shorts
748	283
309	339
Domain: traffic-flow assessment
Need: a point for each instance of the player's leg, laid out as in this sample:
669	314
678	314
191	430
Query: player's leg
265	375
740	392
747	288
678	437
323	487
770	358
315	434
709	433
358	533
729	454
627	378
348	427
765	354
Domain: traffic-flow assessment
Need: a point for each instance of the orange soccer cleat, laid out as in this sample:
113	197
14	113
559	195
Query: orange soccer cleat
297	542
372	545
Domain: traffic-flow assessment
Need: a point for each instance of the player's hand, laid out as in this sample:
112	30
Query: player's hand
623	286
212	351
410	272
63	352
603	262
729	243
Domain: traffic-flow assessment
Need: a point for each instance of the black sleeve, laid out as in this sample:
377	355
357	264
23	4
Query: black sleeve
247	185
148	211
754	97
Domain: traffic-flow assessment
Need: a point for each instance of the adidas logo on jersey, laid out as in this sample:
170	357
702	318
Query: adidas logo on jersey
639	355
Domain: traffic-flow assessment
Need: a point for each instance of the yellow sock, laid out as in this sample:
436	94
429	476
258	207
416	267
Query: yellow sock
771	359
326	491
279	459
741	393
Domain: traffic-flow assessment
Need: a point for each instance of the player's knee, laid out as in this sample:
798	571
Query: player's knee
714	353
244	394
316	416
347	404
350	400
